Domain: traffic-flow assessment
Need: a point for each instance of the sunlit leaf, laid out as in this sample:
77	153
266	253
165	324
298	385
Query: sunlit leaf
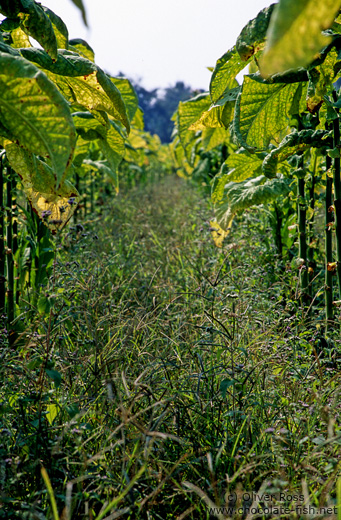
219	182
82	81
189	112
52	409
213	137
60	30
34	112
108	137
239	196
295	33
128	95
99	166
216	117
224	74
242	166
20	39
34	21
138	121
263	112
218	233
137	139
252	37
83	48
320	79
53	206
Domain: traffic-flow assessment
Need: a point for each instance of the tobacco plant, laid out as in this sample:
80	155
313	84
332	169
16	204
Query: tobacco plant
280	128
63	123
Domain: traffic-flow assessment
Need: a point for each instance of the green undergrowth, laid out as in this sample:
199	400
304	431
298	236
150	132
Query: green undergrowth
160	377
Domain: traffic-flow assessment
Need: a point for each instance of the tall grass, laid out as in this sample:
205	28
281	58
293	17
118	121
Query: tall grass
162	377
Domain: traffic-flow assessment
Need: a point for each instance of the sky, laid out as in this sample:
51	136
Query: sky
159	42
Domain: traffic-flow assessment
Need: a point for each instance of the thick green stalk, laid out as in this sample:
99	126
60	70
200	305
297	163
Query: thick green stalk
337	197
302	211
277	230
15	235
92	186
311	220
2	244
10	260
77	184
329	246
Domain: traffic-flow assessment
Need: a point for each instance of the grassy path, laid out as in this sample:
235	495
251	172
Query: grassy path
168	375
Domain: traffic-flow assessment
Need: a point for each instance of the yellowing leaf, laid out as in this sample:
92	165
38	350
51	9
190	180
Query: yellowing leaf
218	234
20	39
54	206
215	117
52	412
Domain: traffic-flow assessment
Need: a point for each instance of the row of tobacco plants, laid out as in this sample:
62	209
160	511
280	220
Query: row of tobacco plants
145	376
65	129
274	140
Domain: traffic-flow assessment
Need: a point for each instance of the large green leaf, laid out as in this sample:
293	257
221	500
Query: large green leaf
90	127
189	112
108	138
252	37
60	30
53	206
263	112
83	48
138	121
34	21
224	75
128	95
239	196
242	166
213	137
294	34
321	77
35	114
215	117
82	81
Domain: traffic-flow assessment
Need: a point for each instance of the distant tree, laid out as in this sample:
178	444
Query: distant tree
159	105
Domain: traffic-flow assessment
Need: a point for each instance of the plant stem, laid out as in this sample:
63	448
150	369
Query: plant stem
329	246
277	230
2	244
92	183
77	183
311	263
15	235
302	211
10	260
337	197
